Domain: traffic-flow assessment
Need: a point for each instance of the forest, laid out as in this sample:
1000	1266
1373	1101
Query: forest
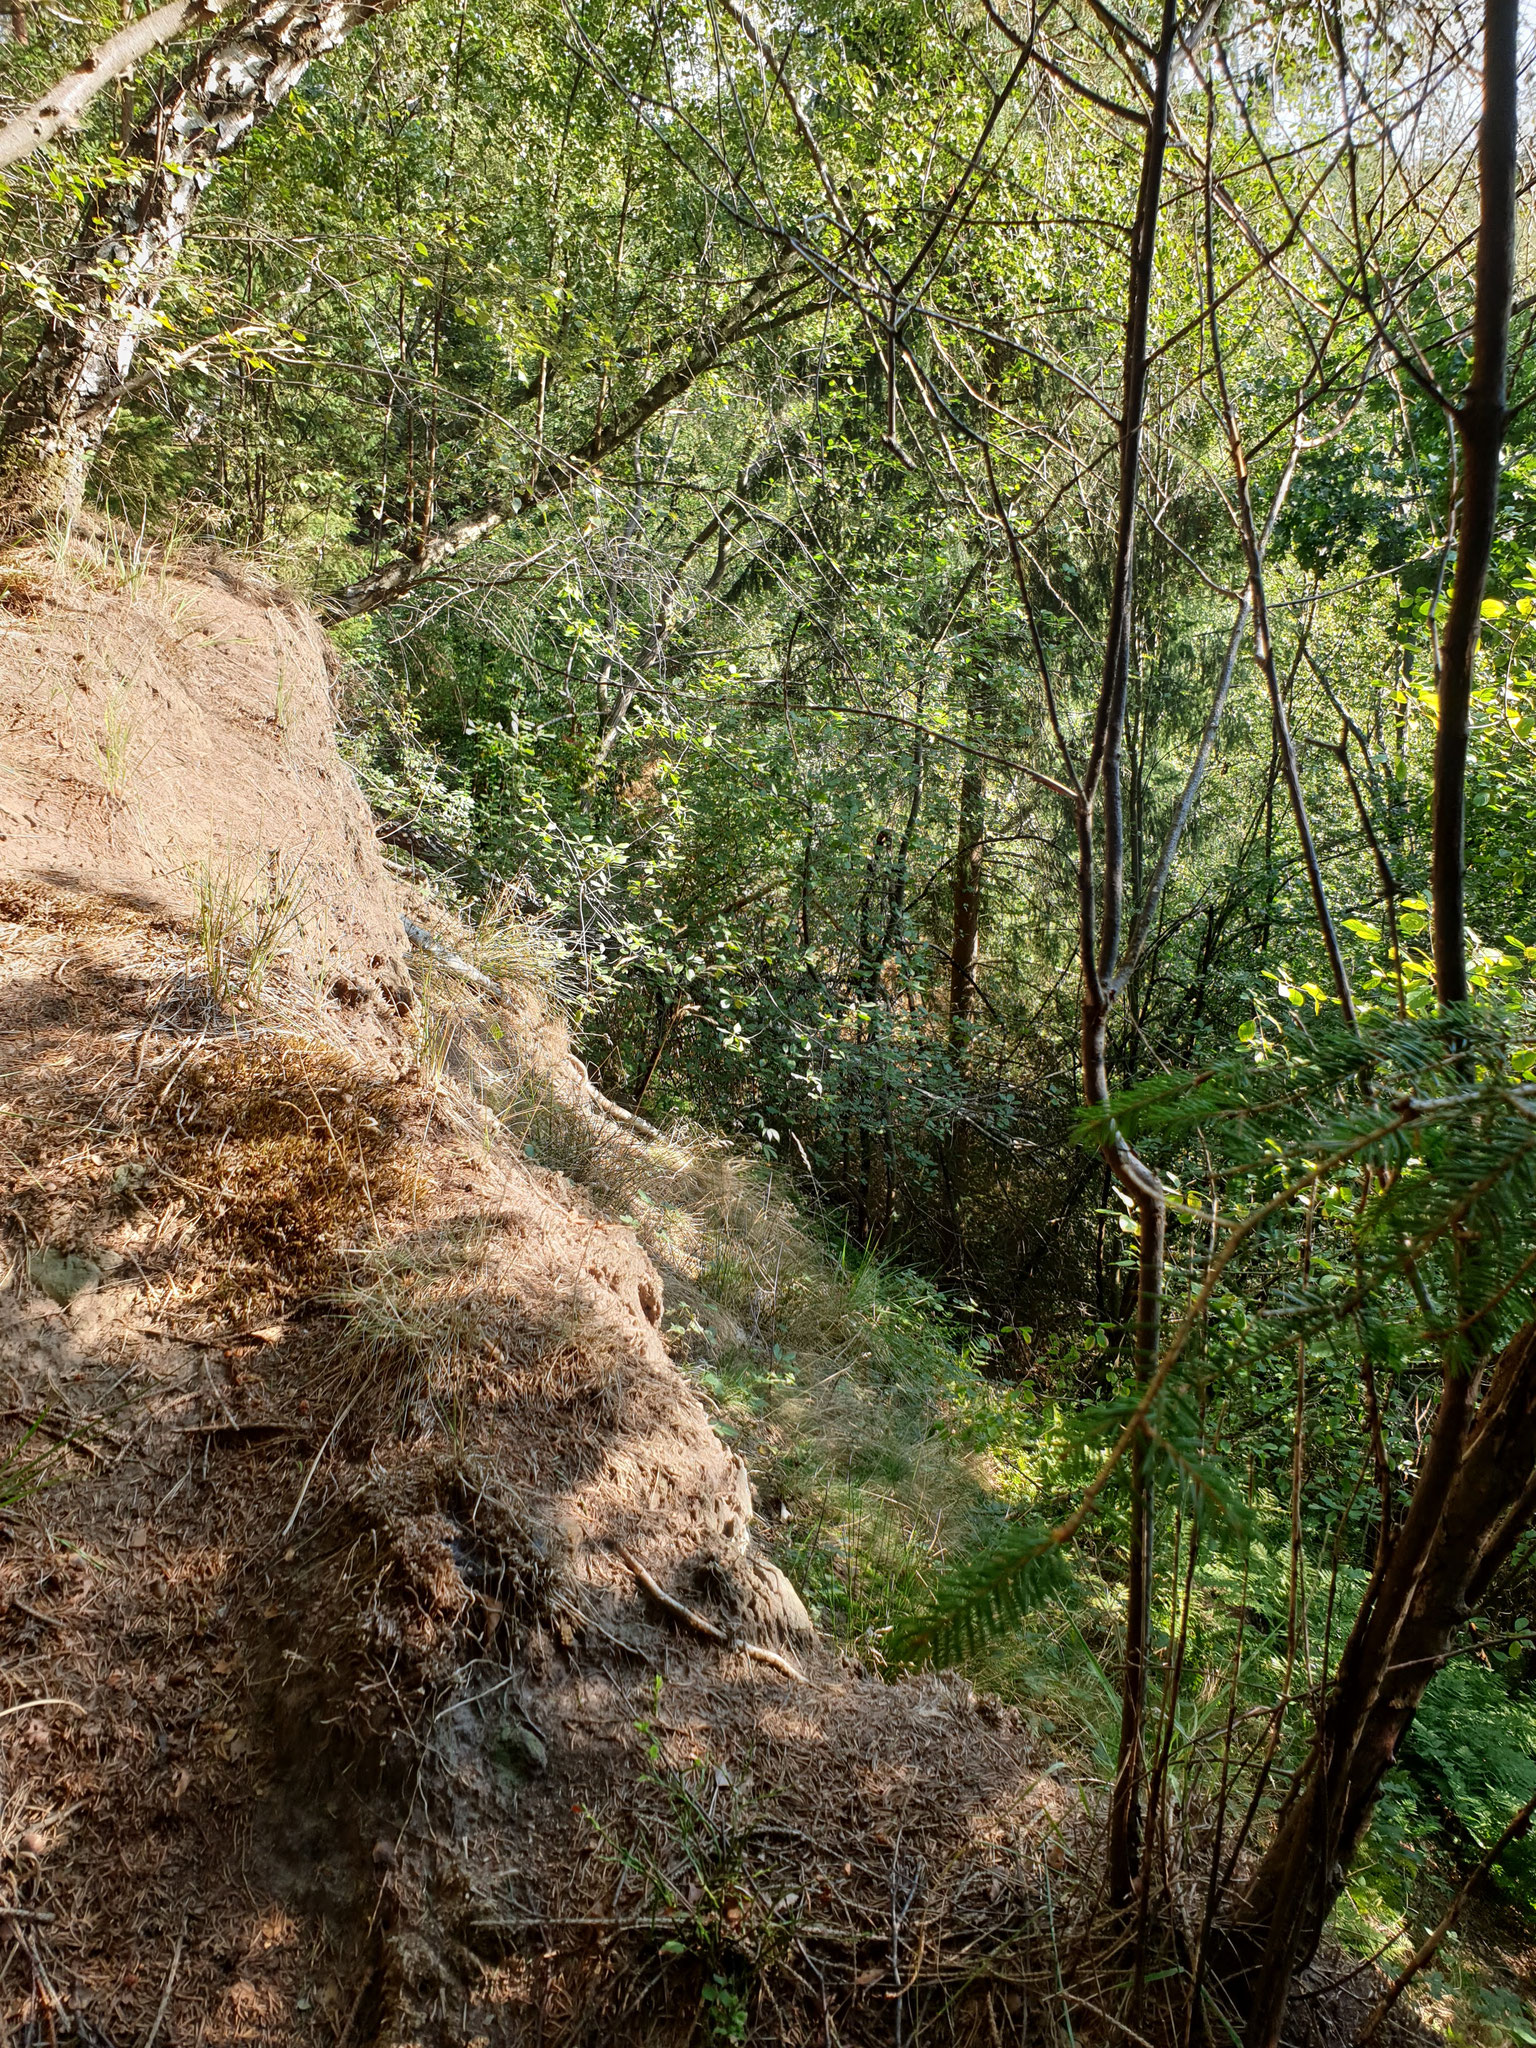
962	575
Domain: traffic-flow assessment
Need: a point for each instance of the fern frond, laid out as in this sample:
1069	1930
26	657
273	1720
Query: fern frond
983	1597
1211	1495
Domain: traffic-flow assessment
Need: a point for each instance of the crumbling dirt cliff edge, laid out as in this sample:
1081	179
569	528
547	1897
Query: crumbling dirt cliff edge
378	1604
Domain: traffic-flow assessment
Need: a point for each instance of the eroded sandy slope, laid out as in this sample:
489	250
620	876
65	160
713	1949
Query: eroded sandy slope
334	1709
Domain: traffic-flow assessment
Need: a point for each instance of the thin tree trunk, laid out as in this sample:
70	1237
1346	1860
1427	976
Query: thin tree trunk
964	956
1263	642
1390	889
1480	425
1476	1489
1101	958
669	1009
965	942
893	938
1264	656
1100	915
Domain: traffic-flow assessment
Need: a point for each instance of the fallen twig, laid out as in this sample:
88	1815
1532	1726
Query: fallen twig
703	1626
165	1996
36	1613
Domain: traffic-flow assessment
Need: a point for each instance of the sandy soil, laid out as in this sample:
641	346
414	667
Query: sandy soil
180	734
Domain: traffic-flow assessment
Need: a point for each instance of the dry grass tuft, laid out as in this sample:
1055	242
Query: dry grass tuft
414	1315
245	924
290	1149
492	1050
117	749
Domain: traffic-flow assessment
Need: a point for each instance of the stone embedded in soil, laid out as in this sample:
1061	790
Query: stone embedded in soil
63	1275
518	1748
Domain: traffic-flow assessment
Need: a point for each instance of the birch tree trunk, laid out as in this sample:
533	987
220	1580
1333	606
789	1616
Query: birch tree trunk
132	238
